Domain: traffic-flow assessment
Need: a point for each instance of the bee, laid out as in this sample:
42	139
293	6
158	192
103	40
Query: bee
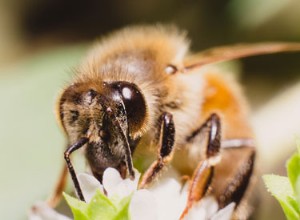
141	92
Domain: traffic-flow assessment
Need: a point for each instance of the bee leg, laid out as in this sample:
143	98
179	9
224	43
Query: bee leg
55	197
231	179
67	154
202	176
167	137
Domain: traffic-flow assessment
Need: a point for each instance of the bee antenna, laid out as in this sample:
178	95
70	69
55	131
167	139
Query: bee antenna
231	52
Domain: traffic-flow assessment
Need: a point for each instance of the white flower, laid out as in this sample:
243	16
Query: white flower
207	208
166	200
170	198
143	206
89	184
117	188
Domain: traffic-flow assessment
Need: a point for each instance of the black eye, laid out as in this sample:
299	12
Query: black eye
134	102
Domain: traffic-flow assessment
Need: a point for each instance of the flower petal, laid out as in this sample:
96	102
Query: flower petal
116	186
198	213
111	180
225	213
143	206
169	201
89	184
203	209
41	211
210	205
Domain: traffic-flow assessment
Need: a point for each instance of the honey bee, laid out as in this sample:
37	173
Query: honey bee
140	89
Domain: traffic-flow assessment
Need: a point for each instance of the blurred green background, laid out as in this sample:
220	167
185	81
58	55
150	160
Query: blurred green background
40	42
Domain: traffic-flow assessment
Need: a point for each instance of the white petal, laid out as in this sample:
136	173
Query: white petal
225	213
169	202
184	195
210	205
41	211
133	183
196	214
128	186
125	188
204	209
116	186
111	180
143	206
89	184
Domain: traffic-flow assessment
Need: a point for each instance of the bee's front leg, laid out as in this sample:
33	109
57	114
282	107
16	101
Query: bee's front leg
67	154
203	174
167	138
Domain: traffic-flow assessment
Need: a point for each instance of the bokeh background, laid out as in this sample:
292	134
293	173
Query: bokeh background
40	42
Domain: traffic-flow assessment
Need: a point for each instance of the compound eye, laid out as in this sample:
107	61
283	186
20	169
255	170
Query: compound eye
134	102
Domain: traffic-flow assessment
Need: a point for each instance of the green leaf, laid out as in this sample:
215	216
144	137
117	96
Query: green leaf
294	203
79	208
100	208
297	192
281	189
123	208
293	170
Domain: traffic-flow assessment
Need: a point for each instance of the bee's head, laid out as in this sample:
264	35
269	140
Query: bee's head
109	114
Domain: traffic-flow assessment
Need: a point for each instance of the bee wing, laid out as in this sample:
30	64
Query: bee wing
231	52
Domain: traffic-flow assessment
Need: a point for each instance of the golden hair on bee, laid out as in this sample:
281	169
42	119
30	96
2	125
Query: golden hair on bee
140	89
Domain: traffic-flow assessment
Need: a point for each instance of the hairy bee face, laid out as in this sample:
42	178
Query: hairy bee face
109	115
